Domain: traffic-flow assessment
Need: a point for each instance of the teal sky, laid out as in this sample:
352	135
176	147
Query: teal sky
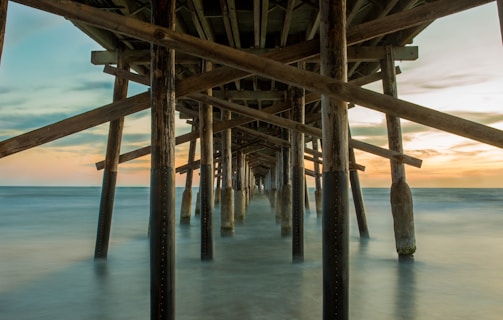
46	76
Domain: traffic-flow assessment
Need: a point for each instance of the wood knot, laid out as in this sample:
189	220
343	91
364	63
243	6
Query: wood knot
159	34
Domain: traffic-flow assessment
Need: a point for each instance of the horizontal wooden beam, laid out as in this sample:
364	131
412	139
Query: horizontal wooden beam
363	53
244	95
355	53
103	57
130	76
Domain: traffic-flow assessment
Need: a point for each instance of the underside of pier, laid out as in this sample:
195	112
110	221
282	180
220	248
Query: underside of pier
266	86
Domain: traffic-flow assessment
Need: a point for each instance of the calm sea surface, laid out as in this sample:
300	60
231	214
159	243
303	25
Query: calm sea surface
47	272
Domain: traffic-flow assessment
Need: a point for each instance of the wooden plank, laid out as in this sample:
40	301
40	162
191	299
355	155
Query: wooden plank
256	22
75	124
290	75
3	19
286	22
199	20
127	75
312	29
364	53
227	23
242	95
264	17
233	16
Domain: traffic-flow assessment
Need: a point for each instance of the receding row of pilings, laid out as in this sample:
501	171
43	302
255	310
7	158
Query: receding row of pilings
284	183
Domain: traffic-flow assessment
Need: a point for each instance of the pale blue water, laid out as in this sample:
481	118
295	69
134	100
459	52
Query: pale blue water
47	271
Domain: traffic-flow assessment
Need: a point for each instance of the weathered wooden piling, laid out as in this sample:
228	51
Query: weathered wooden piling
279	183
162	183
356	190
111	164
3	20
317	179
306	196
186	207
227	201
296	96
207	175
333	61
400	197
274	187
286	189
197	210
240	196
218	189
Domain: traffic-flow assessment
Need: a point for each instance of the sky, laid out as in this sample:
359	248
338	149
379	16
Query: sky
46	76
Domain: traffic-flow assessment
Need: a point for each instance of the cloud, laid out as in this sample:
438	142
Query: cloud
32	23
93	86
28	122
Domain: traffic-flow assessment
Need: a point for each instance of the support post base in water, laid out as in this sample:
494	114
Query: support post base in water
286	210
227	212
317	199
403	218
240	206
185	210
197	212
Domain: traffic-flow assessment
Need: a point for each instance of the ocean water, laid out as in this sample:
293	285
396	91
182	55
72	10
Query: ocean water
47	271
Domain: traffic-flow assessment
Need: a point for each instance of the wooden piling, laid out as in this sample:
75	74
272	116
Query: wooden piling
218	189
227	204
335	164
306	196
356	190
111	164
400	197
317	179
207	174
3	19
240	200
274	187
279	183
186	207
298	175
197	210
286	189
162	183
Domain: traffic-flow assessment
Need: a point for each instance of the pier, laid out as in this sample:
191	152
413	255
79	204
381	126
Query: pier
265	87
